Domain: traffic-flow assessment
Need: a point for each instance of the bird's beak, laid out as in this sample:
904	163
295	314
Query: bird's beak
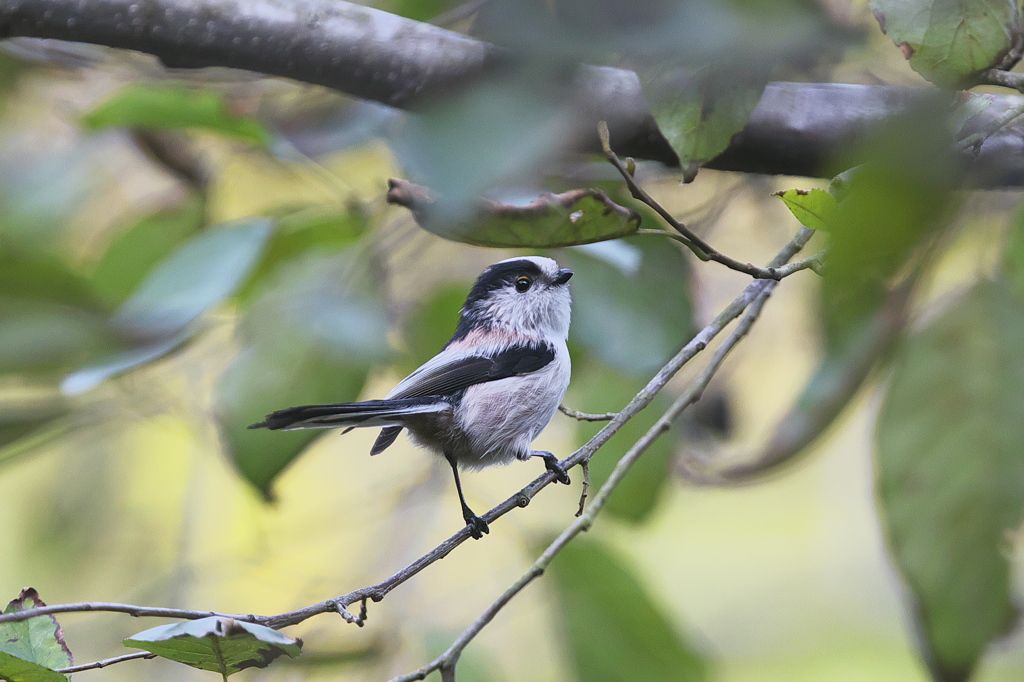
563	276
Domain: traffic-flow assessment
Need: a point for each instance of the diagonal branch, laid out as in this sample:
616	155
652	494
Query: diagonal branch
447	661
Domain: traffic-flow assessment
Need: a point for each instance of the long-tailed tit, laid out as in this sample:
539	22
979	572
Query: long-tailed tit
487	395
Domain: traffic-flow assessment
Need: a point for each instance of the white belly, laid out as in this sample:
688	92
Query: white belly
501	418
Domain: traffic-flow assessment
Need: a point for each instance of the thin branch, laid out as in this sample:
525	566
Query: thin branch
105	662
450	657
584	488
813	263
698	246
587	416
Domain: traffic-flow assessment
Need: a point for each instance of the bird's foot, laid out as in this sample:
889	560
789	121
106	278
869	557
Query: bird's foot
477	526
552	465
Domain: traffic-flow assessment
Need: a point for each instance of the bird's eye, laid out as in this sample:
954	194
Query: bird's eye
522	284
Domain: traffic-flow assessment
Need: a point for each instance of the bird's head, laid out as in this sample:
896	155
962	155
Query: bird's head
528	295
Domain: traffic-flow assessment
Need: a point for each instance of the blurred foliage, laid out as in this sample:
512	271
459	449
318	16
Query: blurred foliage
889	208
309	337
550	220
598	389
300	300
951	476
635	312
221	645
133	253
949	42
153	107
614	629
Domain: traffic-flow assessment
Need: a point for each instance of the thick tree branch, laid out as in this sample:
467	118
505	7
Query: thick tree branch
795	130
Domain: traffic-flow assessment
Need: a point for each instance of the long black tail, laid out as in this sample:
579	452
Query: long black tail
368	413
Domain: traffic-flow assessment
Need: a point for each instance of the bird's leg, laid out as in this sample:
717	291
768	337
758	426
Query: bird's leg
552	465
477	526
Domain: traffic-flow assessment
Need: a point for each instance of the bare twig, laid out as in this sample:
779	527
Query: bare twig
698	246
814	263
105	662
587	416
585	488
450	657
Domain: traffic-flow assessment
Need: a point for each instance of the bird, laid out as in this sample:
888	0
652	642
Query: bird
489	392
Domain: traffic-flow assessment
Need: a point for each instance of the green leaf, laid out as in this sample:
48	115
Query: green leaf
15	669
309	337
198	275
43	337
890	207
134	253
596	388
951	475
44	278
580	216
18	421
495	133
302	232
949	41
631	302
264	379
832	386
163	107
431	325
52	318
700	112
31	649
615	630
1013	254
223	645
89	377
814	208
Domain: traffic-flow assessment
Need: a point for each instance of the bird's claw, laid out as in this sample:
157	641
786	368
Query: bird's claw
477	526
559	471
552	465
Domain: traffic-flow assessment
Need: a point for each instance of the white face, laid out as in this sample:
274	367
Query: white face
532	302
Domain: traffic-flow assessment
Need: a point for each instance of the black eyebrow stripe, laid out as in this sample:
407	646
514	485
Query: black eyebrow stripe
498	275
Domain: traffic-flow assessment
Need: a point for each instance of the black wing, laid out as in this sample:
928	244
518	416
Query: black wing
451	371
